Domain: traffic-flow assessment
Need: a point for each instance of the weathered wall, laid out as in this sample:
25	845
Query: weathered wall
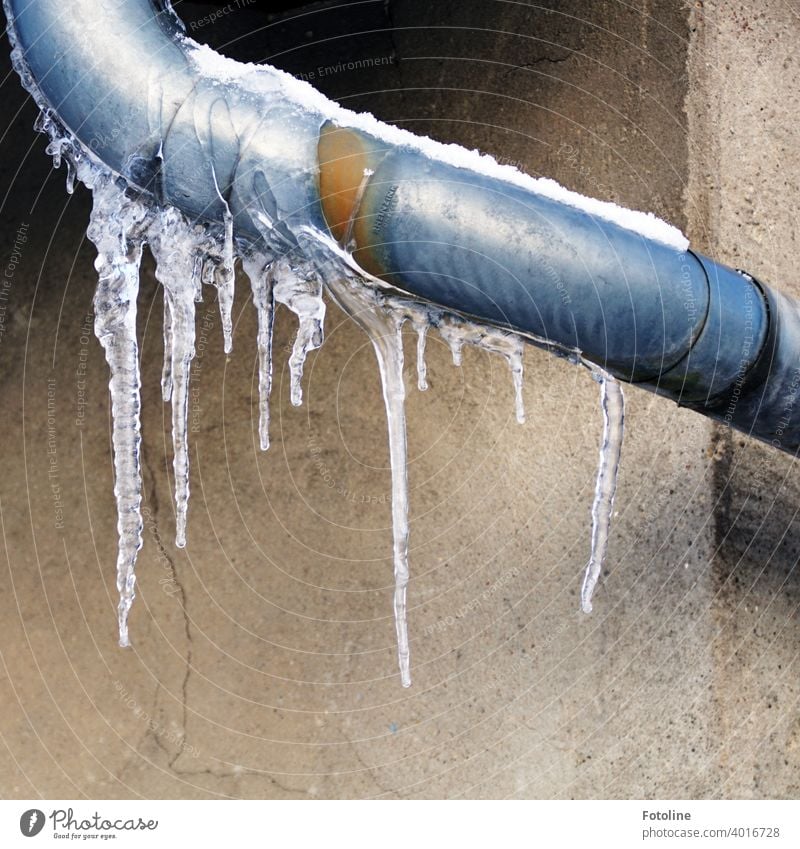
263	661
743	190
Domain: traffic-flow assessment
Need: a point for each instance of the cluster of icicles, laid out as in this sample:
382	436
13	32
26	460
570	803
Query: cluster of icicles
189	255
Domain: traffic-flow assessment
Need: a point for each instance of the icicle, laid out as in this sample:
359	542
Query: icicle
54	149
225	279
613	405
256	268
422	368
455	340
458	332
116	228
166	374
384	328
517	375
60	149
175	246
71	175
297	286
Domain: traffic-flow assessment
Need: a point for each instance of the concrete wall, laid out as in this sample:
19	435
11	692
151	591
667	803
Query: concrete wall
263	661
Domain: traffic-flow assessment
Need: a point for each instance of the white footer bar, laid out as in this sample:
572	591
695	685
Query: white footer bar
400	824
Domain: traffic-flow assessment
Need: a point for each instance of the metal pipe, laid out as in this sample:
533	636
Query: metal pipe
207	135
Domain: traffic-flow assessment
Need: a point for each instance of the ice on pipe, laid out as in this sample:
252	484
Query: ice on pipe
612	403
189	254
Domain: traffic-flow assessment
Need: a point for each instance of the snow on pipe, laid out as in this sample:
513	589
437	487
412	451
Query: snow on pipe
206	160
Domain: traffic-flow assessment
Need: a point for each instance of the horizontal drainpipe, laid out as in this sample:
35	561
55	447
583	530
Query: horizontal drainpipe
119	75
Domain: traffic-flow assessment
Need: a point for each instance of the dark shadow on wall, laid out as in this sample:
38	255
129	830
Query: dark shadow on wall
757	523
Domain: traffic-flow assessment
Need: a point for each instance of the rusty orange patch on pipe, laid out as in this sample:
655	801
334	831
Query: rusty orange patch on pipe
343	158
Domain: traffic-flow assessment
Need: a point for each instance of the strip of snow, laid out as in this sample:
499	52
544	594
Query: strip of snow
211	64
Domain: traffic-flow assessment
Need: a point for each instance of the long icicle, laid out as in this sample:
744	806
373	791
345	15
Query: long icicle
389	351
116	228
384	328
178	269
613	406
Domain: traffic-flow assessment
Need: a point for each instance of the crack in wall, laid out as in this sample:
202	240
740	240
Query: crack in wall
181	593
